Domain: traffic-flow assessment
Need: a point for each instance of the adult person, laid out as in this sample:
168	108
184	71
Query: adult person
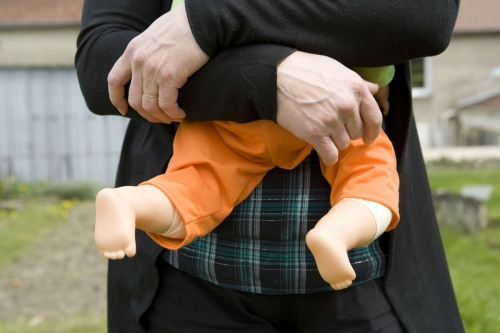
416	280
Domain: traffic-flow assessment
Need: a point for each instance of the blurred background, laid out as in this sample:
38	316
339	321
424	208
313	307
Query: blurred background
55	155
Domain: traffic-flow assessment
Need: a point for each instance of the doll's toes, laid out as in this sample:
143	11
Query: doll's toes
130	250
341	285
113	255
346	284
120	254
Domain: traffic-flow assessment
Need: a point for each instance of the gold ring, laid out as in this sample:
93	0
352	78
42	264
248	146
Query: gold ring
150	96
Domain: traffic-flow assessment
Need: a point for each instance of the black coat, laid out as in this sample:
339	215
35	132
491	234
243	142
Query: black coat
417	280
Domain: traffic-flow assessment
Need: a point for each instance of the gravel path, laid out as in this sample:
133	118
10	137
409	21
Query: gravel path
63	274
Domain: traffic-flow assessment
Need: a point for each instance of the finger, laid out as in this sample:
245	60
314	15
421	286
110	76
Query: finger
135	95
149	93
118	77
327	151
135	90
354	125
371	118
341	139
168	101
151	109
339	134
149	117
372	87
150	98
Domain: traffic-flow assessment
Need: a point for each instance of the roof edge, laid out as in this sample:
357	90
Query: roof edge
478	98
476	31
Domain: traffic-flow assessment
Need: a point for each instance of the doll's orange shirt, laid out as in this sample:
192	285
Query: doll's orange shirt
216	165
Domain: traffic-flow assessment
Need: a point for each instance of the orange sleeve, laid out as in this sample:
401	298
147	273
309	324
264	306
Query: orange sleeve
366	172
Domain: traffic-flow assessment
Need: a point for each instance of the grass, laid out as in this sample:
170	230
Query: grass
474	269
24	218
474	260
27	213
453	180
19	228
24	222
11	187
75	323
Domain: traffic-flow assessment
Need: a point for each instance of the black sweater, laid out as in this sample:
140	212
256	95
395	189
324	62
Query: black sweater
357	33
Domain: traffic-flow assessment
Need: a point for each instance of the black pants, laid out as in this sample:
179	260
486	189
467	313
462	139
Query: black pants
187	304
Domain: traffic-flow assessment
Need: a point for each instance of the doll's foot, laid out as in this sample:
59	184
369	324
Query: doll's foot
331	258
115	225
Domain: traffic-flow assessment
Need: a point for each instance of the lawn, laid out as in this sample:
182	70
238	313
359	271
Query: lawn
25	221
30	213
453	180
474	260
475	271
76	323
21	228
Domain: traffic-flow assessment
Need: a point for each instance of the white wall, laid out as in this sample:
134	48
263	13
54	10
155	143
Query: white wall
461	71
47	132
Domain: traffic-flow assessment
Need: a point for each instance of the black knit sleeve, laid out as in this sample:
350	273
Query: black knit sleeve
356	33
106	29
238	84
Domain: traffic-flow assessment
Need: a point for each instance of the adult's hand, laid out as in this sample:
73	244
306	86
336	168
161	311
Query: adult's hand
326	104
157	63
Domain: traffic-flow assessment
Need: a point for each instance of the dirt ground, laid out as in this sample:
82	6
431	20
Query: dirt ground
63	274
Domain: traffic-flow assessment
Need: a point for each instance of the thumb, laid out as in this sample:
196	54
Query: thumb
372	87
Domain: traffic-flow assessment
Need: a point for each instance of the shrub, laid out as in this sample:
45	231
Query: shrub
12	188
81	190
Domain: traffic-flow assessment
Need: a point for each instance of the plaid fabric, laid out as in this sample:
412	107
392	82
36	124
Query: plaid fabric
260	247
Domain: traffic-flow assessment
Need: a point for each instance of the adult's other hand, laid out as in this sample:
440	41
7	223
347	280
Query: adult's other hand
157	63
326	104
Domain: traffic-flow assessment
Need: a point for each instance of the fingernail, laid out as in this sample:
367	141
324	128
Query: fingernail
121	112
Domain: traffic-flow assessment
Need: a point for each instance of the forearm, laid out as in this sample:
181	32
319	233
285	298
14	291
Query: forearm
238	84
370	33
106	30
94	60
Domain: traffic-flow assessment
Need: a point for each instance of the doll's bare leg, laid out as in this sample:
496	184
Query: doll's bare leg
121	210
349	224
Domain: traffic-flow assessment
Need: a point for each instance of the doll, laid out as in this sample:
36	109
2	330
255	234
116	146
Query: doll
216	165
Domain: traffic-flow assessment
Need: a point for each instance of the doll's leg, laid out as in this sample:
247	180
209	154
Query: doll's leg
363	172
121	210
204	180
215	166
351	223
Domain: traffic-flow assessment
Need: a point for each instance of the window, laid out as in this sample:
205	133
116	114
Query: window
421	77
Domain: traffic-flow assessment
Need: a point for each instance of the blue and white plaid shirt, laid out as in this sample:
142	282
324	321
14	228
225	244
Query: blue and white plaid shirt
260	248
